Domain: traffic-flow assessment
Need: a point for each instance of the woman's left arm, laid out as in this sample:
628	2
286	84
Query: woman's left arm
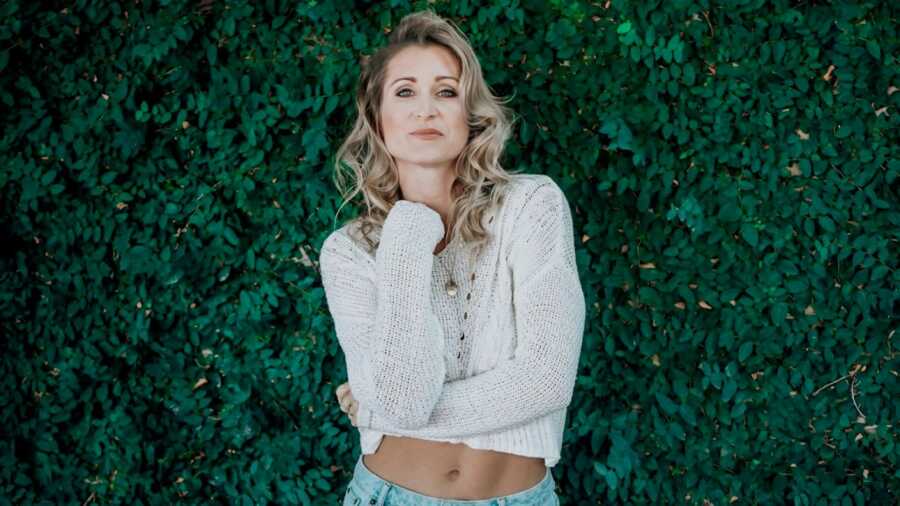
550	318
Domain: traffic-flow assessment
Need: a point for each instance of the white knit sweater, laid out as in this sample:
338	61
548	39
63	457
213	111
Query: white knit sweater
492	367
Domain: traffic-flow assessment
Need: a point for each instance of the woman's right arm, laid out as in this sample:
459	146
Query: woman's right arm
383	317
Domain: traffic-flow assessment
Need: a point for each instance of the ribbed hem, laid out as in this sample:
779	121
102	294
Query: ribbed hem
533	440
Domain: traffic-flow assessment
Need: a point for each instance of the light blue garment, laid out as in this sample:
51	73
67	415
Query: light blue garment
368	489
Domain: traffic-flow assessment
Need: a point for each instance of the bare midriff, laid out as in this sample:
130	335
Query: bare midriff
453	471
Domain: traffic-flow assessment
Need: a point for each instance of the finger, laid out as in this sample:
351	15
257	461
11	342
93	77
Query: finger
344	394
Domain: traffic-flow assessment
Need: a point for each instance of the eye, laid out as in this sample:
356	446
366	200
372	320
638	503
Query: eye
452	93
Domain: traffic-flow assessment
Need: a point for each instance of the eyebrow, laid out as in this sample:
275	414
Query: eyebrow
413	79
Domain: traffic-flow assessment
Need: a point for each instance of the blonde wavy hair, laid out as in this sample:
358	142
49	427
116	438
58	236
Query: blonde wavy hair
481	182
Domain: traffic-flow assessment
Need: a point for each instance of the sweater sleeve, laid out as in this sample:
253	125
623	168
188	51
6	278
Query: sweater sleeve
383	316
550	318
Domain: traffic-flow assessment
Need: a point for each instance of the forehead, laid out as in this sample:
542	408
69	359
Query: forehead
422	63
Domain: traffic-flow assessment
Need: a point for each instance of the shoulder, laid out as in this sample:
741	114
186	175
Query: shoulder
345	243
535	212
525	182
534	194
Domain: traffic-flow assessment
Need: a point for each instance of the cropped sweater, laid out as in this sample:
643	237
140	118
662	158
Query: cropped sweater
493	366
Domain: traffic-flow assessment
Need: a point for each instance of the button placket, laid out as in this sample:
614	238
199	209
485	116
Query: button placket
464	324
452	289
467	306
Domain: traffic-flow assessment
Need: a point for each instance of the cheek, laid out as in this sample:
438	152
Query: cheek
390	124
388	113
462	126
461	115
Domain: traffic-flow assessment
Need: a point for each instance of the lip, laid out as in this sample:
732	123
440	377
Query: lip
427	132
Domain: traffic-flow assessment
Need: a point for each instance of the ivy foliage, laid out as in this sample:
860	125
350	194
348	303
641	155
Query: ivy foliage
166	187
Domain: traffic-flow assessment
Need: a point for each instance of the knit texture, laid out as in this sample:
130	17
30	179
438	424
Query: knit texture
493	367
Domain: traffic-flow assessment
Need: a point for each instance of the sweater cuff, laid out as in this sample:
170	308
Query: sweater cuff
415	221
363	417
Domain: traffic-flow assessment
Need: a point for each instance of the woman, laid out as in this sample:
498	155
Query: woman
455	294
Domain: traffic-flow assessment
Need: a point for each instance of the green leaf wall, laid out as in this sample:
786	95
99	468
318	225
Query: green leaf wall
732	169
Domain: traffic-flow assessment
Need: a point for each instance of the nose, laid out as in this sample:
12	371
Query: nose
426	109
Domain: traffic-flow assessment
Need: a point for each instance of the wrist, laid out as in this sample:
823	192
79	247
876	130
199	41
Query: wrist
414	222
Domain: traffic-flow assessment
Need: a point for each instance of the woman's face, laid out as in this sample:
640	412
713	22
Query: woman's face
417	95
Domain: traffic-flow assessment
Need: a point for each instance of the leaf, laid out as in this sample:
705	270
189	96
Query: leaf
621	457
878	272
745	351
48	177
108	177
874	49
725	339
827	224
230	236
729	390
666	403
607	474
687	413
729	212
779	312
748	232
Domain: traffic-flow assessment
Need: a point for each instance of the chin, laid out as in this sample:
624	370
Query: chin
428	162
426	156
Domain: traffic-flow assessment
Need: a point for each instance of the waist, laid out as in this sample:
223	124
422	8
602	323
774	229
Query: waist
453	470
